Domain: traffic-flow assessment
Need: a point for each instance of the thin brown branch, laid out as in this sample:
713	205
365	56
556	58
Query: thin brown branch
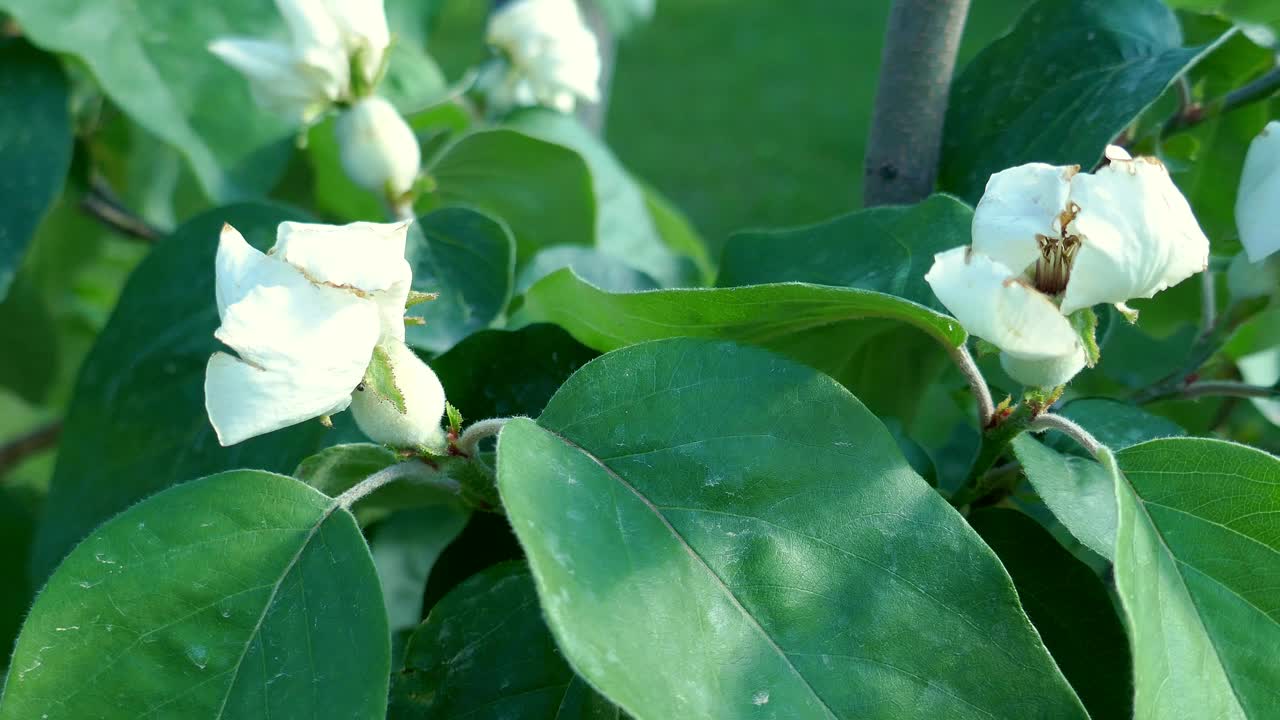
15	451
911	101
99	203
1193	114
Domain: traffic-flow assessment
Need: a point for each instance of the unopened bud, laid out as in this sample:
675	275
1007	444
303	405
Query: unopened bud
411	420
377	147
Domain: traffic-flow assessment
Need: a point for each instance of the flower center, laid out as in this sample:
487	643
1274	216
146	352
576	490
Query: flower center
1053	267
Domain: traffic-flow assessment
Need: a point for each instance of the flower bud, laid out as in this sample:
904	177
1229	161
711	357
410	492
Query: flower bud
418	426
377	147
1044	373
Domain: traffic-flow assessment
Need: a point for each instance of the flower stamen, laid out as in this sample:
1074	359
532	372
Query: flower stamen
1053	268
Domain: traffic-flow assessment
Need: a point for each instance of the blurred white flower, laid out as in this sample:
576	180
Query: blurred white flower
553	54
378	149
1049	241
330	38
304	320
1258	202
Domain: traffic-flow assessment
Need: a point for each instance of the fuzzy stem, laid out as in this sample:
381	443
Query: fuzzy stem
410	469
1049	421
919	58
478	431
20	448
978	384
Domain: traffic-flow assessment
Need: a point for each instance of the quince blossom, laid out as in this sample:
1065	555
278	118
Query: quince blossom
377	147
304	320
329	39
1258	202
553	54
1049	241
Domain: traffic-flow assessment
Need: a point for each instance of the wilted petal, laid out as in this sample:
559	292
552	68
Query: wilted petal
990	303
302	350
1258	202
1138	235
1020	204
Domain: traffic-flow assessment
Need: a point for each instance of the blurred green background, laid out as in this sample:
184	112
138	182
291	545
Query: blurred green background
746	113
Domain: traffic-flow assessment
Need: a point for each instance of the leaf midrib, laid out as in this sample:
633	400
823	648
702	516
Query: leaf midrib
724	587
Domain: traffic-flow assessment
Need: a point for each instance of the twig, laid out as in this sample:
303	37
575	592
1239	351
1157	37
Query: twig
473	435
1227	388
1208	302
1191	116
1049	421
99	203
414	469
978	384
15	451
911	101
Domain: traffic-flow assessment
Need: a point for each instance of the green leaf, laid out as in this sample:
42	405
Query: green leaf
1197	565
501	373
137	423
1115	424
29	334
701	551
1256	11
624	227
35	147
380	379
1070	608
856	336
485	652
405	547
542	191
336	194
237	596
886	249
469	259
677	231
1061	85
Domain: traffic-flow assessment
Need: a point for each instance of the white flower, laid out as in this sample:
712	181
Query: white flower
1258	202
1049	241
329	38
378	149
553	54
304	320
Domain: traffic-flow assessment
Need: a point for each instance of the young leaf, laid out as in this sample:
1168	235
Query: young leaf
701	551
380	378
238	596
1197	562
485	647
1061	85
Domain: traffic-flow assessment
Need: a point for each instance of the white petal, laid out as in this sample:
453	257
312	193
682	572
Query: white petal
1138	235
419	425
1019	204
991	303
551	47
239	268
1258	202
282	80
378	149
366	258
311	23
302	350
363	24
1115	152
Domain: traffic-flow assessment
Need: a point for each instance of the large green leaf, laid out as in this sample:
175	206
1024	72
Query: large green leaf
137	423
541	190
29	335
17	527
405	547
35	147
1256	11
1070	608
469	259
844	332
1197	567
717	531
886	249
625	228
485	652
242	595
1061	85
